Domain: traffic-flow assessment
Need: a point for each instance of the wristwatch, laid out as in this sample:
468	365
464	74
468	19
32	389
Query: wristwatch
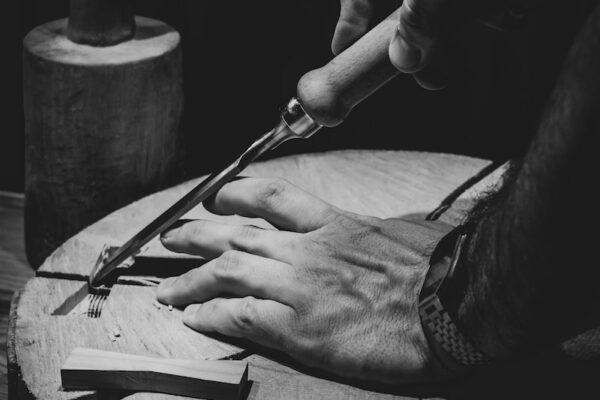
443	290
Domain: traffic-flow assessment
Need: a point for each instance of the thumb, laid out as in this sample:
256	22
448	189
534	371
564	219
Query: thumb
412	46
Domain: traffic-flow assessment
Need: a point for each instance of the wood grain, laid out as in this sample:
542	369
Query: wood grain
397	183
101	126
43	341
91	369
3	357
14	268
380	183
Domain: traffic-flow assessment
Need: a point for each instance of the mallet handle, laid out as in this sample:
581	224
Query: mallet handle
100	22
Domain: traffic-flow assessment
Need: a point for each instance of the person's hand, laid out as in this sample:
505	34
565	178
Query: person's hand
354	21
419	45
415	44
416	48
333	289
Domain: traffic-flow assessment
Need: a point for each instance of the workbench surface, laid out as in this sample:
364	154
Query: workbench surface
14	269
406	184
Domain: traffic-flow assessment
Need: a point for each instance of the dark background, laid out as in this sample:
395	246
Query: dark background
242	61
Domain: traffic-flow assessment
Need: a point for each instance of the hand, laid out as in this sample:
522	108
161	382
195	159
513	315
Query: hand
415	44
333	289
419	46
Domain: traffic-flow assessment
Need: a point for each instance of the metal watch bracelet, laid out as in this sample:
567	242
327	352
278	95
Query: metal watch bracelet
440	296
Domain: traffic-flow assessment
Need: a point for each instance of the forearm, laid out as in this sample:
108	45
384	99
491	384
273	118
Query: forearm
532	269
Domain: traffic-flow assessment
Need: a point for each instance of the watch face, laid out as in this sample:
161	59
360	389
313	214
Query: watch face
444	279
452	292
435	276
440	297
439	265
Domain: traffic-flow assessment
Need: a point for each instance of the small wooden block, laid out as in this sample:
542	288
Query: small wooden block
90	369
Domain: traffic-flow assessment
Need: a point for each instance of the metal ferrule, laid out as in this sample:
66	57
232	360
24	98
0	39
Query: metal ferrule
294	123
299	122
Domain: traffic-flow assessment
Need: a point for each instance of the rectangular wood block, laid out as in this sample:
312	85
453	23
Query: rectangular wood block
91	369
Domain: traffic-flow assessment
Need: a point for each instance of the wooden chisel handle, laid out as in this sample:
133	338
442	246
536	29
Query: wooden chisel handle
329	93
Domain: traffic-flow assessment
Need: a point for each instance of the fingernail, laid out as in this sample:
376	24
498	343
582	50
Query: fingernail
171	230
162	291
407	58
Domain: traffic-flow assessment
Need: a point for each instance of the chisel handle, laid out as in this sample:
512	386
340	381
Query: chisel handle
329	93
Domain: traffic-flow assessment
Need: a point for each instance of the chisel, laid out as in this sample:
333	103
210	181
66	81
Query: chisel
325	97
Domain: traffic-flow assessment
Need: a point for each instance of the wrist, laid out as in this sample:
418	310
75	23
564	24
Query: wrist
439	301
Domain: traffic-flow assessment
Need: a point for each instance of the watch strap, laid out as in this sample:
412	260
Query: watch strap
438	313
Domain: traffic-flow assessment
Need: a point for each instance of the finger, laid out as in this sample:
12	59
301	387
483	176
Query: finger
355	16
414	43
210	239
235	274
279	202
265	322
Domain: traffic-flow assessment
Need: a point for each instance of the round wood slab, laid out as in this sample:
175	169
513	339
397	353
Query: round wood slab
379	183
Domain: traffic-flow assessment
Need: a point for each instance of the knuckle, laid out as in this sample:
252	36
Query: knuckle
369	220
248	239
330	215
416	17
356	12
364	231
249	232
245	238
246	315
348	277
272	193
342	218
228	266
362	8
316	243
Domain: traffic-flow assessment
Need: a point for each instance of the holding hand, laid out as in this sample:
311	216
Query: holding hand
419	45
415	47
333	289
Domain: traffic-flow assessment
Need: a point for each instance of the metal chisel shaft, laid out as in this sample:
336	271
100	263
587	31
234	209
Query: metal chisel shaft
294	123
327	94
